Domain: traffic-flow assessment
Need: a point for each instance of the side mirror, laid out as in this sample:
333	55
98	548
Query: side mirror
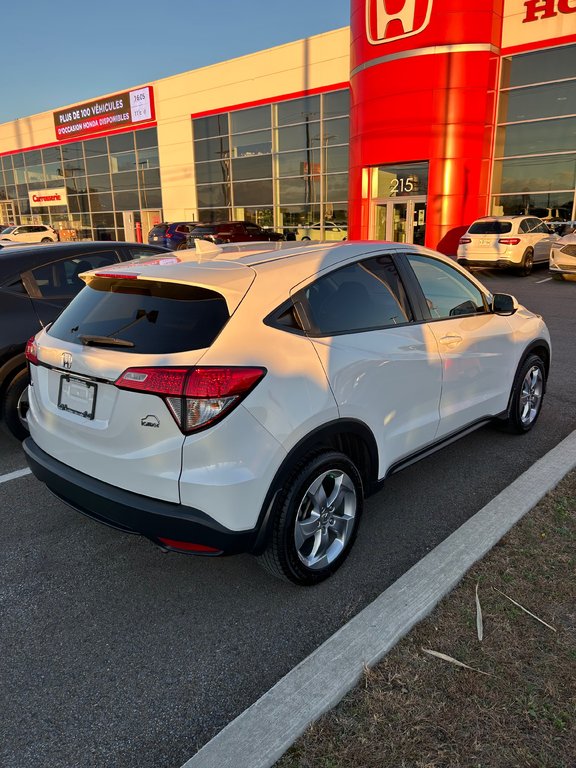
504	304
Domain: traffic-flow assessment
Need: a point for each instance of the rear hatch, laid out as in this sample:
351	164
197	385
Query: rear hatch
87	412
485	239
158	234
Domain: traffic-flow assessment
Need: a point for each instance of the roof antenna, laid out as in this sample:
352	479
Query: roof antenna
206	249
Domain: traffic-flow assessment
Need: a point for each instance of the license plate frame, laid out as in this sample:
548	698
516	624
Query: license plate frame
77	396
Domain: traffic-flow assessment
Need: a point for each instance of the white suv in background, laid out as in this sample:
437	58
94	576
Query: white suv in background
29	233
247	399
516	242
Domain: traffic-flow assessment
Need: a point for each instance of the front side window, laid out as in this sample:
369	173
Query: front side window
448	293
363	296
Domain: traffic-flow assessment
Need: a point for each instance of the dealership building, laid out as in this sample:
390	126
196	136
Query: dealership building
407	125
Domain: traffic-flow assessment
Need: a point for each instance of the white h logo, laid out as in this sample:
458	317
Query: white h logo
413	18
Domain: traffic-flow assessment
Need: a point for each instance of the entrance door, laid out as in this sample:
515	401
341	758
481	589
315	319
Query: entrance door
400	219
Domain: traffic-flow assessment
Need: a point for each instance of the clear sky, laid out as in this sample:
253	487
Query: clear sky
60	53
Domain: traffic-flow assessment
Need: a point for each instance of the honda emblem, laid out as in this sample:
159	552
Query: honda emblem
383	26
66	361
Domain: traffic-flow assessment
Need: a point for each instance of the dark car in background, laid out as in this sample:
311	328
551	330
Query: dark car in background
36	283
171	235
232	232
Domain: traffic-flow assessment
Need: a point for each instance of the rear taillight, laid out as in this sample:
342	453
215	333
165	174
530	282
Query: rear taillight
509	240
465	240
196	397
188	546
118	275
31	351
168	235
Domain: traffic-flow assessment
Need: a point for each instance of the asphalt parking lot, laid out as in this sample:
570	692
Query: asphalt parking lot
115	654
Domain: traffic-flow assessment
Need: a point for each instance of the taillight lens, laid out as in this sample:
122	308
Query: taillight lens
509	240
168	235
196	397
465	240
31	351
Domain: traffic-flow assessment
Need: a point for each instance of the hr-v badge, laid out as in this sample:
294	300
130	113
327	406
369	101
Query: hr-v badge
405	18
150	421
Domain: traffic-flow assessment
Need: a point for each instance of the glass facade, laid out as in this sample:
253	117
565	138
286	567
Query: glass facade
535	155
283	165
103	177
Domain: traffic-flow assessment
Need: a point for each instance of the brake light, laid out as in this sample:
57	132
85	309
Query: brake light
465	240
196	397
509	240
169	235
118	275
31	351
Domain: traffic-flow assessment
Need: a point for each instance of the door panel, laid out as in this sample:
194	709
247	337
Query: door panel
390	379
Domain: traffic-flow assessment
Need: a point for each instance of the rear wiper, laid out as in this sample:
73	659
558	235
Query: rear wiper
105	341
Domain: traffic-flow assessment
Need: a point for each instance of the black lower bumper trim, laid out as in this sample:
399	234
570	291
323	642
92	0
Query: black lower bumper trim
131	512
499	264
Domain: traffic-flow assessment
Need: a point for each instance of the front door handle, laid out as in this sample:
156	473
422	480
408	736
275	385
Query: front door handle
451	340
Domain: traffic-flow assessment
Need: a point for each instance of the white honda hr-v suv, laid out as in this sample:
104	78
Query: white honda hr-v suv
248	399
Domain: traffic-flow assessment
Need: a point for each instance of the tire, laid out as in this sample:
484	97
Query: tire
182	246
305	238
527	396
315	519
15	405
557	276
527	263
46	240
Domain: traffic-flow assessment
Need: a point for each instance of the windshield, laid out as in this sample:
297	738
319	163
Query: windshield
7	230
490	228
147	318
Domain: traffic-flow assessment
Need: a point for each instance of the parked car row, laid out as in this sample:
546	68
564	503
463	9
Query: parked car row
249	400
178	235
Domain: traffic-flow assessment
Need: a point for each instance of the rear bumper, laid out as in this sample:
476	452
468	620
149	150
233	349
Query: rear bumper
131	512
495	264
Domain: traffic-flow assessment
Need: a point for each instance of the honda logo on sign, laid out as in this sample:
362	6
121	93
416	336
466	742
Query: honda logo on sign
388	20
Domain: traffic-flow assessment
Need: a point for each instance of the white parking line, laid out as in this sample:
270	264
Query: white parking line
545	280
14	475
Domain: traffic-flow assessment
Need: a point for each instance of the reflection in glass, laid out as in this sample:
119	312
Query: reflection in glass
541	66
252	119
206	127
298	110
535	173
539	137
253	193
550	100
211	149
299	163
250	144
247	168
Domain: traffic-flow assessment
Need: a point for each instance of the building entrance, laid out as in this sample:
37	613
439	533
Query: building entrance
399	219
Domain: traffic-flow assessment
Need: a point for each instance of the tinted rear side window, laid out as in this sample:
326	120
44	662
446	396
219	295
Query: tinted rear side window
490	228
199	231
158	318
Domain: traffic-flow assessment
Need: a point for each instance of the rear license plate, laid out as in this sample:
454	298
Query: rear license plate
484	243
77	396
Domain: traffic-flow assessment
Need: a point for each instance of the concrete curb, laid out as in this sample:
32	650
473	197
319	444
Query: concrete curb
261	734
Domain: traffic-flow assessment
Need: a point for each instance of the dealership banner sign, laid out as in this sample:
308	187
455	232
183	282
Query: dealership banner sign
42	198
104	115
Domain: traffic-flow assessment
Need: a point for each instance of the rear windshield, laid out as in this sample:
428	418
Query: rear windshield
159	229
157	318
207	230
490	228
